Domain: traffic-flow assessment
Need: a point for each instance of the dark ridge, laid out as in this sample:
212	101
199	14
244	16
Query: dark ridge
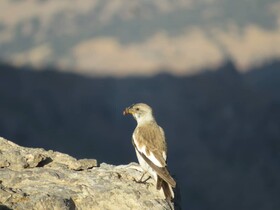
222	127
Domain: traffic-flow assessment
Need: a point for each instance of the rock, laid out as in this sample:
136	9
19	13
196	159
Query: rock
33	178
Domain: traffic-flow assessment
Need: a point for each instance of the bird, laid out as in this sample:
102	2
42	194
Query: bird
151	149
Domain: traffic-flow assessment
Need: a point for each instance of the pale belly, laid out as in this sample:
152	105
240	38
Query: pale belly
145	166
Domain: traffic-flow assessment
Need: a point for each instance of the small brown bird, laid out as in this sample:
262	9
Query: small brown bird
149	141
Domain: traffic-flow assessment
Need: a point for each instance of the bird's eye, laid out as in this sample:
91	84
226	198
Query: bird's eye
137	109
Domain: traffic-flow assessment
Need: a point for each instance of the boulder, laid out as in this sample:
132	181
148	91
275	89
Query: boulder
33	178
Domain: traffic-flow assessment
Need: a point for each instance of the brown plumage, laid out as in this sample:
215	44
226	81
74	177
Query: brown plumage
151	149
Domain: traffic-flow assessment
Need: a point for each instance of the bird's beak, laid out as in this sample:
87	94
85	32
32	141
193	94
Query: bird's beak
128	111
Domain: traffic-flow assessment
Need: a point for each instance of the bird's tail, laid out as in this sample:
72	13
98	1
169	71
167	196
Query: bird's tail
167	189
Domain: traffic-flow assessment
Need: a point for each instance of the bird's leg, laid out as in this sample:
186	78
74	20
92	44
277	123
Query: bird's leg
145	181
140	181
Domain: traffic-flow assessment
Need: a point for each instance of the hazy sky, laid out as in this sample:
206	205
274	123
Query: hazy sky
124	37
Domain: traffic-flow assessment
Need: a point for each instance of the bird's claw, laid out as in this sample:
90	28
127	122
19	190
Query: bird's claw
140	181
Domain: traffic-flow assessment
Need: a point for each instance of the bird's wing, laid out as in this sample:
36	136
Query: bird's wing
161	171
150	141
150	146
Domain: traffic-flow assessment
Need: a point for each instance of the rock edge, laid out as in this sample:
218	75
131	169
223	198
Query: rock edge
33	178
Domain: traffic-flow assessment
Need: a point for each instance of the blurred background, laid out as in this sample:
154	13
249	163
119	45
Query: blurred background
209	68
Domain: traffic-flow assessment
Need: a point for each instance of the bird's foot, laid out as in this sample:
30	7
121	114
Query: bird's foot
140	181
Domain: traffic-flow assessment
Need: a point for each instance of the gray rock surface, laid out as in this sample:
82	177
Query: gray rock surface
32	178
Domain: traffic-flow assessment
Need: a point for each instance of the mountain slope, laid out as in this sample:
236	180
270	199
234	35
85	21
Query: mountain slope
222	127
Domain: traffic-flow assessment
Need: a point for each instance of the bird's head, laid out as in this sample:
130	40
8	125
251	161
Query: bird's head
141	112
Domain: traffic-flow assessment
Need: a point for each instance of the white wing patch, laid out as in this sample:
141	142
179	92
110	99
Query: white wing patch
151	156
154	159
164	155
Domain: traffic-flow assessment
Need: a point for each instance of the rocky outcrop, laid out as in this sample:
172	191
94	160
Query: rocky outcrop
32	178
